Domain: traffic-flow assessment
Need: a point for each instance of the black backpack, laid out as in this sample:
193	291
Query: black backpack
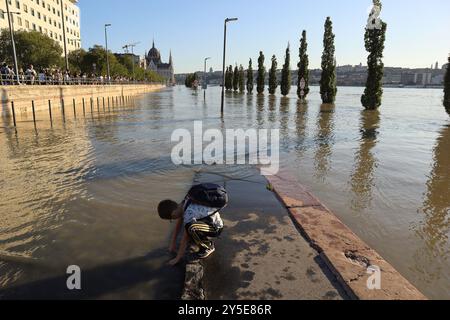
209	195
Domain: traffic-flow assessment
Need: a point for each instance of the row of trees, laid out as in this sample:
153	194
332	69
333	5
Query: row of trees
234	80
375	37
41	51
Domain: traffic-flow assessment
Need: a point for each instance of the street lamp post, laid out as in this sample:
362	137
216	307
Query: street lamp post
11	31
64	35
224	56
204	80
107	56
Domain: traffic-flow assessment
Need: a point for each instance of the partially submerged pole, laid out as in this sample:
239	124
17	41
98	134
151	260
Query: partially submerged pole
13	113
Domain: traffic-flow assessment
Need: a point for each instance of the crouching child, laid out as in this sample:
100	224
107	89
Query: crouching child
198	219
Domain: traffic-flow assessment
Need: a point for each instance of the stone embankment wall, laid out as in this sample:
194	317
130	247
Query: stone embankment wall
22	96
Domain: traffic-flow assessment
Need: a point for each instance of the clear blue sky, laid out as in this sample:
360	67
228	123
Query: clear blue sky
193	29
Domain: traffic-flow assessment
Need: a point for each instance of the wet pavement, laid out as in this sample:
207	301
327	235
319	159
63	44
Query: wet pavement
261	254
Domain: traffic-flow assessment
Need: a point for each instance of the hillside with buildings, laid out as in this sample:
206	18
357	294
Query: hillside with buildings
349	75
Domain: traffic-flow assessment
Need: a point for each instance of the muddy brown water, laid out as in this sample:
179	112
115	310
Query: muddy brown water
83	192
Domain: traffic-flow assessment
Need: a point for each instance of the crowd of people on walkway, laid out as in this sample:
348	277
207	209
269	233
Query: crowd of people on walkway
52	76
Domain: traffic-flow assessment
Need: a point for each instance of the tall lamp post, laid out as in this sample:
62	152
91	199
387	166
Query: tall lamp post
205	86
107	56
64	35
224	55
11	31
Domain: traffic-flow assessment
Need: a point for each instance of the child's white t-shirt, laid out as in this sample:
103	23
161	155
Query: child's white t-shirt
195	212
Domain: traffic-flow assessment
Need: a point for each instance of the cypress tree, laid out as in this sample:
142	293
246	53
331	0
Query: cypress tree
273	82
229	78
447	88
250	77
261	73
286	79
303	65
236	79
241	79
328	88
374	37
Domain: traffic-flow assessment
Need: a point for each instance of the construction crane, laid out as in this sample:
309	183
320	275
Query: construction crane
126	49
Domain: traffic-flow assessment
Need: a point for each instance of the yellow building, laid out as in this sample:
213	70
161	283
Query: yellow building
45	16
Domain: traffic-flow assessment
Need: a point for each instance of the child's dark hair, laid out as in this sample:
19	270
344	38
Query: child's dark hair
166	208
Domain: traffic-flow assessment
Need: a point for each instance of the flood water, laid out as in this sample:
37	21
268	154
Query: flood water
84	191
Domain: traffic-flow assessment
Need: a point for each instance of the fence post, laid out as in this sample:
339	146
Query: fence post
98	104
13	113
103	104
84	109
74	109
63	110
34	114
92	102
50	111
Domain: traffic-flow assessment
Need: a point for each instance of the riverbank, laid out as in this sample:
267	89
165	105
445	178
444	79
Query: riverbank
22	96
290	248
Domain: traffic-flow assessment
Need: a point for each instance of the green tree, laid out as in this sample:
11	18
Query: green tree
229	78
76	60
273	81
374	37
286	80
236	79
447	88
328	87
303	65
96	57
250	77
241	79
261	74
33	48
191	79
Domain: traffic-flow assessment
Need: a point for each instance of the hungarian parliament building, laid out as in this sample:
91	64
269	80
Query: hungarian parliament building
154	63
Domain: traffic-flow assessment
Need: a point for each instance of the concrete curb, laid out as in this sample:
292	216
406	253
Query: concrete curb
347	256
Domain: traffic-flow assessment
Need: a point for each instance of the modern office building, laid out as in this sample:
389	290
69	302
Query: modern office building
45	16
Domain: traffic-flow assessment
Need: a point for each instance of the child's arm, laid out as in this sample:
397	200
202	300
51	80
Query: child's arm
181	250
173	241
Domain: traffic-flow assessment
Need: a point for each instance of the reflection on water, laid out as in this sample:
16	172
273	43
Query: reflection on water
434	228
362	178
84	191
260	100
324	140
272	116
301	119
284	118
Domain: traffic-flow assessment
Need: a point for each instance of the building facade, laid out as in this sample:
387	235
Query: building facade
154	63
46	17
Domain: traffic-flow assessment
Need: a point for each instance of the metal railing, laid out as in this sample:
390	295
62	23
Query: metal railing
9	80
